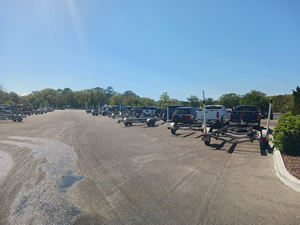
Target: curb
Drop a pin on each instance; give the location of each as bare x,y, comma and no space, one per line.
283,174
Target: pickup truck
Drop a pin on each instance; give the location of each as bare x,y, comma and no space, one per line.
214,114
245,114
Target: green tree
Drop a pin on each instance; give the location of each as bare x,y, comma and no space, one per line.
210,101
147,102
13,98
257,98
174,101
116,99
282,103
296,108
129,98
229,100
194,101
109,91
164,100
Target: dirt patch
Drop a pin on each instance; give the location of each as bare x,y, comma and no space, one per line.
292,164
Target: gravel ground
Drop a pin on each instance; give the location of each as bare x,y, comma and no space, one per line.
292,164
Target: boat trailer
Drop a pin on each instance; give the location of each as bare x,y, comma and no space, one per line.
13,117
176,126
128,121
238,133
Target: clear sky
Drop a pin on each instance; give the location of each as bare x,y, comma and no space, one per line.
151,46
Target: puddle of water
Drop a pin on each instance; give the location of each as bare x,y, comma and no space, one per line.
69,180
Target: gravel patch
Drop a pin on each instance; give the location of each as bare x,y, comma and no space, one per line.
292,164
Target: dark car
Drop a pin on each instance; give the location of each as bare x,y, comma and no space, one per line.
171,109
245,114
184,115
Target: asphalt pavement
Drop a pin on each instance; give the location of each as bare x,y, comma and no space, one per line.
68,167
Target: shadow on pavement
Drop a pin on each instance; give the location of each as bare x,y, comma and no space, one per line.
218,146
231,149
187,135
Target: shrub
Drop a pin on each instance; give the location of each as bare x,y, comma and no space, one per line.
287,134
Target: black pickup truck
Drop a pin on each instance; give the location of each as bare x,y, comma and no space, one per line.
245,114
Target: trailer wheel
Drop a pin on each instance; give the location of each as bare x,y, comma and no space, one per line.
173,131
130,124
20,120
152,123
15,120
207,138
207,141
126,124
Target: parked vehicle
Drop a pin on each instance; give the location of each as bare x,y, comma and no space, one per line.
137,111
88,110
149,111
184,115
217,114
5,109
245,114
11,112
171,109
95,112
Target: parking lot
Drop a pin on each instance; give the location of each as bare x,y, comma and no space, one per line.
69,167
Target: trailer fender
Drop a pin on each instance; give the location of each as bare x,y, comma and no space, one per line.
173,126
150,122
264,135
207,130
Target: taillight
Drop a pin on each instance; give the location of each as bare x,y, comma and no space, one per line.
217,114
241,112
195,114
257,117
189,115
174,114
230,117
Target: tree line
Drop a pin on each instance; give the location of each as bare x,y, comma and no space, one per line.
108,96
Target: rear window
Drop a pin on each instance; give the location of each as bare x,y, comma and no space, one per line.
246,108
213,107
183,111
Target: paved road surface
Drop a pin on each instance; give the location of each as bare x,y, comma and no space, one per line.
68,167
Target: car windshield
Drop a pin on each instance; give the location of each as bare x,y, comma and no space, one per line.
183,111
213,107
246,108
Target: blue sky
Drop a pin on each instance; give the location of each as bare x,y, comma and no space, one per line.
149,47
